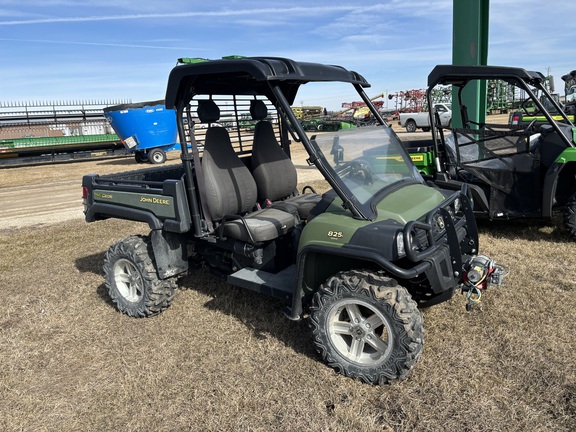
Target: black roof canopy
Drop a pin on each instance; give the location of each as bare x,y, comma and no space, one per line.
250,76
570,76
459,75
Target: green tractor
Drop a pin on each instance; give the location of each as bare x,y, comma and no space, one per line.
524,167
357,260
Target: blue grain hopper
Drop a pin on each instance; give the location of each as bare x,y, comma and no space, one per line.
146,128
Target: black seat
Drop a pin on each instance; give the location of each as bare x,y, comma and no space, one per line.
231,190
274,172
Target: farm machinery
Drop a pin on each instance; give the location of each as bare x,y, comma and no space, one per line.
319,120
147,129
48,131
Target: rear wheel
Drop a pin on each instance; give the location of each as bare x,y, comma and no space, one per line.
132,281
157,156
140,157
569,216
367,326
410,126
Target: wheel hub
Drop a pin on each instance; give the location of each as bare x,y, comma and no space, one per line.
128,280
358,331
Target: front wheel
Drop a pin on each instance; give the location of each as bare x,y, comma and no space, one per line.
410,126
132,281
569,216
367,326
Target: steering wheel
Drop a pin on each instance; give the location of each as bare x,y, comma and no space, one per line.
359,170
531,124
525,109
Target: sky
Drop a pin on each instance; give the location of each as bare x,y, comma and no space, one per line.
54,50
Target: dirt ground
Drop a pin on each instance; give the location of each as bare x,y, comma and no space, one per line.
223,359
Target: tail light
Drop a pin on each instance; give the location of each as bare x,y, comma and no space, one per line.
85,198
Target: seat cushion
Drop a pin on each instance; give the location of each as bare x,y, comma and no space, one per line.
264,225
304,203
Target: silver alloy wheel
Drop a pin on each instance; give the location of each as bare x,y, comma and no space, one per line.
359,332
128,280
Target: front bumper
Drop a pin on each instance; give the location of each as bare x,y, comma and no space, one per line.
447,239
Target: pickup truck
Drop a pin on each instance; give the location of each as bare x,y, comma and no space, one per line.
413,121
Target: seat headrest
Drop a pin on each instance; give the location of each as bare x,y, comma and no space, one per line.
208,111
258,109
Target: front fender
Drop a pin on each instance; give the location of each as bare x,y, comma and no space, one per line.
316,263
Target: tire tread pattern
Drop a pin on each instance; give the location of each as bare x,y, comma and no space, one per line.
158,294
569,216
406,321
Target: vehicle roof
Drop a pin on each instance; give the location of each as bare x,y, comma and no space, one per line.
250,76
461,74
570,76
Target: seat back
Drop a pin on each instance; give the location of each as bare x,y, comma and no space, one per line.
230,188
274,172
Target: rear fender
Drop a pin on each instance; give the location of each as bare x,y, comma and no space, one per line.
99,211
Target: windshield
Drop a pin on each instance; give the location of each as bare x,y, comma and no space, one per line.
571,94
368,160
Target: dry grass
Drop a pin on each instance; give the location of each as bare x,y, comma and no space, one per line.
223,359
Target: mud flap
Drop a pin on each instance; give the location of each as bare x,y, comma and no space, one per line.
170,253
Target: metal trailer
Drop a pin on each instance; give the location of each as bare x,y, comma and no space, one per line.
36,132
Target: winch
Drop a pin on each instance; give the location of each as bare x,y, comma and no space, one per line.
481,272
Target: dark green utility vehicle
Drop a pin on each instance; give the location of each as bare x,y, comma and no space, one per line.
524,167
356,260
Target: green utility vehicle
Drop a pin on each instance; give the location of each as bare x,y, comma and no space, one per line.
356,260
570,92
522,168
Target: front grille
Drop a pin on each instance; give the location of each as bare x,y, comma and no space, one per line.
448,223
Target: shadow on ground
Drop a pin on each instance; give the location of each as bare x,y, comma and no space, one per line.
260,313
526,229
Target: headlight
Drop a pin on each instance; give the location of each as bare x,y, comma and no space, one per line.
441,223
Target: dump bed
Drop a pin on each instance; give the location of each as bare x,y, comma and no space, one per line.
155,195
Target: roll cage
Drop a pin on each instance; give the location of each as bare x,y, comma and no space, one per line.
460,76
515,163
278,79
